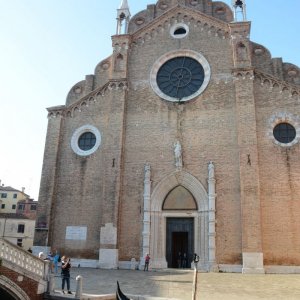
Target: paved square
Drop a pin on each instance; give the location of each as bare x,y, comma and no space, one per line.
177,284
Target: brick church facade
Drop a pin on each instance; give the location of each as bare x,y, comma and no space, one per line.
185,139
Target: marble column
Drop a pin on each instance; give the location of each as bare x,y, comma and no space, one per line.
146,212
211,218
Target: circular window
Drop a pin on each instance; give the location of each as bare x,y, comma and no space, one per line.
180,75
284,133
86,140
179,31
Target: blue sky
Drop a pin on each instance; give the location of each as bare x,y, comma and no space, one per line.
46,46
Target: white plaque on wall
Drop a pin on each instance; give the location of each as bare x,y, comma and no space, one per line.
76,233
108,235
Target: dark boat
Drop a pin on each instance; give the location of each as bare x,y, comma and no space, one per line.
119,294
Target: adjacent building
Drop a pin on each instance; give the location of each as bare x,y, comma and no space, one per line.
17,216
27,208
184,140
9,198
17,229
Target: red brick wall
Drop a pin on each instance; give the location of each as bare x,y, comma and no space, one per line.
29,286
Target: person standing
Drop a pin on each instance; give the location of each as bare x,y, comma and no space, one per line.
50,258
56,260
147,260
179,260
65,273
184,261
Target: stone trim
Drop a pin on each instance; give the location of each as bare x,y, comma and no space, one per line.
253,263
158,218
271,81
176,53
284,117
78,106
146,214
179,178
14,288
185,15
176,26
76,135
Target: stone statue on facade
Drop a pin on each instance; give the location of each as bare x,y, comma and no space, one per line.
178,154
211,170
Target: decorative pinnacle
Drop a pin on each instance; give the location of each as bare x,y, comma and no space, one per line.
124,5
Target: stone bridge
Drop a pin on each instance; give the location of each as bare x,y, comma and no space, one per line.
22,275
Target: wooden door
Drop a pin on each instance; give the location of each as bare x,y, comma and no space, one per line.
180,239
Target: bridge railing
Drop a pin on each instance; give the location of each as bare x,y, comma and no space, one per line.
23,259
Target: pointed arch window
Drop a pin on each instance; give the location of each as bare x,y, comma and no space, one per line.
179,199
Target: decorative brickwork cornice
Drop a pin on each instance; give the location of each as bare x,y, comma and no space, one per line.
68,111
266,79
272,82
179,14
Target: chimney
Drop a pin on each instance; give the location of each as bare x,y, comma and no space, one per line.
23,190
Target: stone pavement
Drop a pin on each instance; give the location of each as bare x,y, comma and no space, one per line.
177,284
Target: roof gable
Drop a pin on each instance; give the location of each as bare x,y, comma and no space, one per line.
182,14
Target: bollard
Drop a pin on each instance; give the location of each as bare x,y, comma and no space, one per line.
51,284
133,264
195,260
78,293
194,292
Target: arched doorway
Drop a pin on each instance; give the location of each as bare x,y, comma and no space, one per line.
178,201
180,242
179,231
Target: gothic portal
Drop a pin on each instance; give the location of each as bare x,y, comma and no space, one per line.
185,140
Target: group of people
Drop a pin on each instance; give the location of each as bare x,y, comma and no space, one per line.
54,260
182,260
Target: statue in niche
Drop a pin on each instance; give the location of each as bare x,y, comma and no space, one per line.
178,154
119,62
211,170
147,172
242,52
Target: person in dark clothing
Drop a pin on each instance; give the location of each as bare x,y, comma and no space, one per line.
65,273
147,260
184,260
179,260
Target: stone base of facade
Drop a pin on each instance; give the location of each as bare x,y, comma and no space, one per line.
213,267
158,264
282,269
108,258
224,268
85,263
253,263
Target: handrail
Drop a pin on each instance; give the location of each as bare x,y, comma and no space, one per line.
23,259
